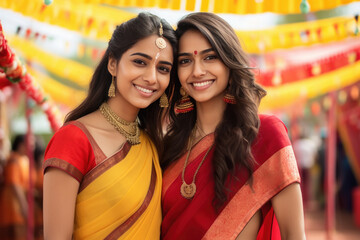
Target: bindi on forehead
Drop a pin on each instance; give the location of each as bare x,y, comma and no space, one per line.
195,52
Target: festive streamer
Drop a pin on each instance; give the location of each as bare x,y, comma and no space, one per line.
298,34
15,72
64,68
282,96
98,22
91,20
58,92
294,65
228,6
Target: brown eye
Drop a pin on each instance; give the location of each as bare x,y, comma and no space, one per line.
184,61
139,61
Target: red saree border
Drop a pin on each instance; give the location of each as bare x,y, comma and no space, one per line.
115,234
269,174
98,153
104,166
173,171
64,166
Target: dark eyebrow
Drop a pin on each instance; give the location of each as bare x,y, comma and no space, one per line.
202,52
142,54
165,62
150,58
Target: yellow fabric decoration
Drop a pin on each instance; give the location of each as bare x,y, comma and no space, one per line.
285,95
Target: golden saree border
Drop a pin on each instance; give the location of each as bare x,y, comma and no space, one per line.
130,221
280,170
173,171
104,166
64,166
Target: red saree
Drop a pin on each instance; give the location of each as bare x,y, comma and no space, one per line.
197,219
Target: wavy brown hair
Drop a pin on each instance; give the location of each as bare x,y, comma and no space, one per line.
124,37
240,123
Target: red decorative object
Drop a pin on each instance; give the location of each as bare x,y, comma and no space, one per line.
12,71
303,63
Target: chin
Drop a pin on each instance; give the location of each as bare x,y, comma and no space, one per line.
143,105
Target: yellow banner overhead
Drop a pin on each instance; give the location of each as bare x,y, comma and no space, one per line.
226,6
298,34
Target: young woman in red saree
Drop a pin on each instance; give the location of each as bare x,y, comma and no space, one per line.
234,176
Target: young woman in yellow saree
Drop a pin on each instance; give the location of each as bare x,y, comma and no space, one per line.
102,176
233,175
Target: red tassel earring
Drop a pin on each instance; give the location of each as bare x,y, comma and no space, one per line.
184,105
228,98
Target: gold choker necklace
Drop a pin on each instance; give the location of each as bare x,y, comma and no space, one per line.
188,190
130,130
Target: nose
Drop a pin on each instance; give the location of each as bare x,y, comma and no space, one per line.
199,69
150,75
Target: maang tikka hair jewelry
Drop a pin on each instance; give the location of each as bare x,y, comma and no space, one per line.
184,105
111,92
160,41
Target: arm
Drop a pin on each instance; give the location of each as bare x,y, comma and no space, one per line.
21,196
60,192
289,213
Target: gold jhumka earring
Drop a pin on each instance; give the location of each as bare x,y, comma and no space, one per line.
164,102
111,92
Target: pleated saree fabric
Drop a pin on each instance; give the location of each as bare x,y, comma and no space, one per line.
197,218
119,196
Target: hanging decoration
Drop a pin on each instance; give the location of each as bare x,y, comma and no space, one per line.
91,20
281,96
98,22
226,6
15,72
298,64
304,6
48,2
356,32
298,34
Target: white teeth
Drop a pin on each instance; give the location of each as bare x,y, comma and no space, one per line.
201,84
144,89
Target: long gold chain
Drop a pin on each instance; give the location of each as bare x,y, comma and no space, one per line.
188,190
130,130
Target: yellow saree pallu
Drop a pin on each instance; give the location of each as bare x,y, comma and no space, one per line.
120,197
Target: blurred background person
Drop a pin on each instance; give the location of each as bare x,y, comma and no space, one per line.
13,203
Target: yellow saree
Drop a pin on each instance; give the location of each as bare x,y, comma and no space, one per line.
120,197
124,188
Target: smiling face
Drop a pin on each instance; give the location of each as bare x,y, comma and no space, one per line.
201,72
142,73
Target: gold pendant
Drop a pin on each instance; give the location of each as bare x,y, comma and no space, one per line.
188,190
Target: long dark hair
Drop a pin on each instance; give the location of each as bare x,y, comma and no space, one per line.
124,37
240,122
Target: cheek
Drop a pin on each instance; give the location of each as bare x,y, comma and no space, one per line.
164,81
183,74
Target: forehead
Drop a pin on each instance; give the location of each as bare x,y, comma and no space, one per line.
147,45
193,40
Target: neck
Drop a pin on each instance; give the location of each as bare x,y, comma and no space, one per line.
209,114
124,111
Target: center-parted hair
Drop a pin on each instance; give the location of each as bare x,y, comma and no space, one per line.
240,123
123,38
